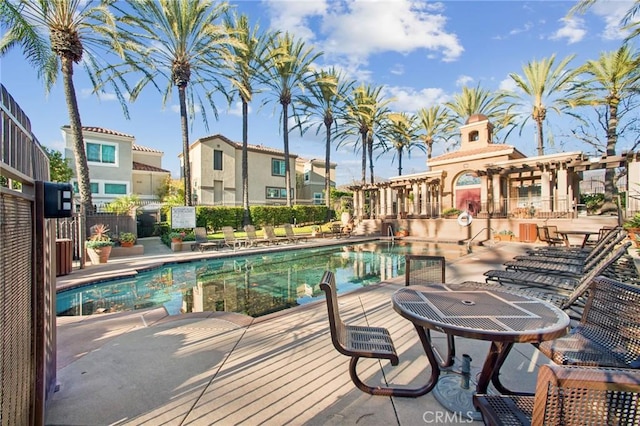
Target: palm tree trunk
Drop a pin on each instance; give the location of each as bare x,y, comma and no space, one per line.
399,162
370,150
82,168
287,171
246,217
327,170
540,138
610,174
364,157
185,146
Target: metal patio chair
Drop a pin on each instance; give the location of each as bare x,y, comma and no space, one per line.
569,395
202,242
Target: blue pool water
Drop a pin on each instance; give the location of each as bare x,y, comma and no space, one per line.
252,284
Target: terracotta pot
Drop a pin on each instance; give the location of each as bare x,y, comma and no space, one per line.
634,234
176,240
126,243
99,255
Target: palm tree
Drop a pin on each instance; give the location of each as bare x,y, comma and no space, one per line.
178,43
402,134
365,111
54,36
628,22
608,80
288,73
243,73
480,101
540,83
435,122
326,100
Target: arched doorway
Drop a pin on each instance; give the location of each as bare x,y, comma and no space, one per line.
467,193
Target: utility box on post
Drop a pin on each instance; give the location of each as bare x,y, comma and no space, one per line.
58,200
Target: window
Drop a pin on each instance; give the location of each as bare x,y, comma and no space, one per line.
277,167
101,153
115,188
474,136
307,177
217,159
317,198
93,185
276,193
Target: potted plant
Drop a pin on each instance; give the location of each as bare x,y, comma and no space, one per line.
504,235
451,213
99,244
176,237
632,225
127,239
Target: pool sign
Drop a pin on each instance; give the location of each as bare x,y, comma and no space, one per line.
183,217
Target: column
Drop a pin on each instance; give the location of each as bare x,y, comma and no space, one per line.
400,202
484,193
416,198
633,177
382,196
424,198
545,190
389,201
561,194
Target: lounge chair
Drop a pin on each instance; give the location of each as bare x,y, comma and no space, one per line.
252,237
230,239
202,242
571,267
291,236
573,252
569,396
566,293
609,331
270,235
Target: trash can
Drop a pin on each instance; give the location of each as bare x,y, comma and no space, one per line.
528,232
64,256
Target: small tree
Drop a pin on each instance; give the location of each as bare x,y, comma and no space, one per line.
59,169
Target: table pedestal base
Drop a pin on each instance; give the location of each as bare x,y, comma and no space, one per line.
450,394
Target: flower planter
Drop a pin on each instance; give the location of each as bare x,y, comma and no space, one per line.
99,255
500,237
634,234
126,243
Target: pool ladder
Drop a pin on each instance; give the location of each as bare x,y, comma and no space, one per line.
480,232
390,233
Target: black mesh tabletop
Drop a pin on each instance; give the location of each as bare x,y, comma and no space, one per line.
481,314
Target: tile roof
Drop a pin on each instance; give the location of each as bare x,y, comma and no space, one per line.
147,168
141,148
101,130
490,149
250,147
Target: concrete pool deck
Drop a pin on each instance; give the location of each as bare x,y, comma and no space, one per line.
146,367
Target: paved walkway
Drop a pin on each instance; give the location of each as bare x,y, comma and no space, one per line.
147,367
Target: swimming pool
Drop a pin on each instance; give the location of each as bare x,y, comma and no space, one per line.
254,285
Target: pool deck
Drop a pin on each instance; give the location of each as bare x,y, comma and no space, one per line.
146,367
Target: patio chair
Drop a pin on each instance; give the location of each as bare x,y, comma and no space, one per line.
365,342
574,252
605,243
270,235
569,395
252,237
608,334
566,294
202,242
562,278
429,271
230,239
291,236
543,236
570,267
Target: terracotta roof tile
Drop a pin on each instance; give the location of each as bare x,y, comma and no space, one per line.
141,148
491,149
102,130
147,168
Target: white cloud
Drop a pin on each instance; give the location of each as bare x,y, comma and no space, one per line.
357,29
103,96
508,85
236,109
525,28
463,80
572,29
397,69
407,99
612,13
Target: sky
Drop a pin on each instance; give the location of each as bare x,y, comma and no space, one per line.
422,52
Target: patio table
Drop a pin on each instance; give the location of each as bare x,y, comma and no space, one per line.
498,316
585,234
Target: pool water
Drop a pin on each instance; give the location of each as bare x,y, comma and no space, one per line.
254,285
